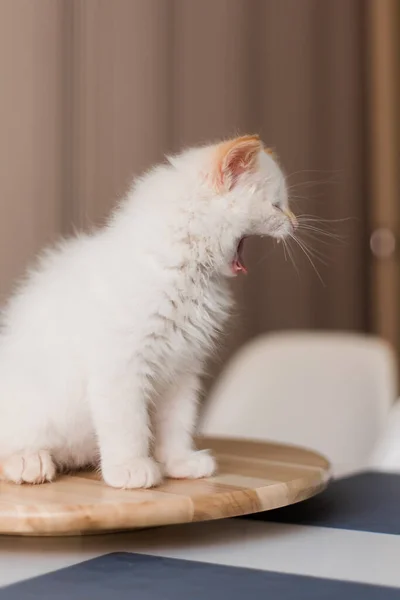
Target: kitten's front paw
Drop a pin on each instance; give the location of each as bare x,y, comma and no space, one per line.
192,466
138,473
33,467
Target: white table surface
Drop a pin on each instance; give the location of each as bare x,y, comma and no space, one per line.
316,551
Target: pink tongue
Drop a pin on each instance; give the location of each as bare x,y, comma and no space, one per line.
238,265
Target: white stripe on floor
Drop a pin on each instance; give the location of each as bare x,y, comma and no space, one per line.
315,551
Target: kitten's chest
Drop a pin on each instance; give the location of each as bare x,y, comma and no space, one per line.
188,320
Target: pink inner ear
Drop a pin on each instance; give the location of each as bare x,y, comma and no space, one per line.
237,157
238,162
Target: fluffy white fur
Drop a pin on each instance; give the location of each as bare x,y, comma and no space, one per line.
105,341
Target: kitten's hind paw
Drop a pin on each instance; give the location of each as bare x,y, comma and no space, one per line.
192,466
32,467
138,473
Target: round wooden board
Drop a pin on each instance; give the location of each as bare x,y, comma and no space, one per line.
252,477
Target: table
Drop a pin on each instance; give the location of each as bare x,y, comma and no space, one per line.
350,533
252,477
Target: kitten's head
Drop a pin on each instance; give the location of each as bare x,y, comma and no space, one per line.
241,192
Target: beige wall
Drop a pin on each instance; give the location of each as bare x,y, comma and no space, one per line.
31,126
384,156
94,91
120,98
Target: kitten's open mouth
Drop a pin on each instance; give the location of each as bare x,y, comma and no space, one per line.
238,265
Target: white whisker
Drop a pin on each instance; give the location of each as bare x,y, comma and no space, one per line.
309,257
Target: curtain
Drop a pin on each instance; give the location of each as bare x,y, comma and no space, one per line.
158,75
122,82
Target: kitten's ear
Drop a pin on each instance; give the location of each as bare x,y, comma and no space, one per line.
234,158
271,152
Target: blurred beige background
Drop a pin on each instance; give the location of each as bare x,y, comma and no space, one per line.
94,91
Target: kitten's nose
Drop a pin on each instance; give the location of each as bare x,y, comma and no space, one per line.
292,218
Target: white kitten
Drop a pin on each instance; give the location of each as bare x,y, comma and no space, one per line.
119,321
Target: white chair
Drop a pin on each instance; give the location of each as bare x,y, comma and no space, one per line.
331,392
386,455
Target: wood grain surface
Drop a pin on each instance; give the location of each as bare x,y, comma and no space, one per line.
252,477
